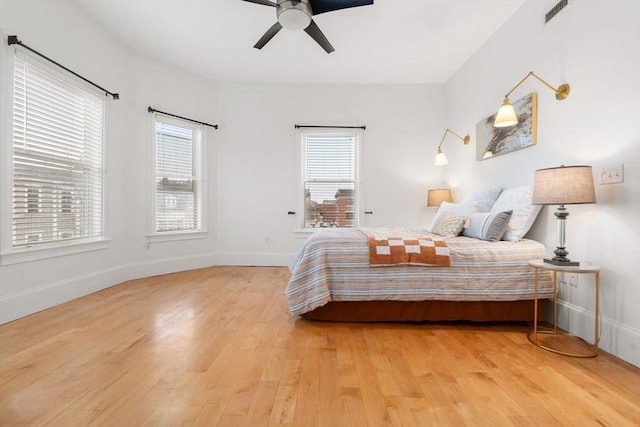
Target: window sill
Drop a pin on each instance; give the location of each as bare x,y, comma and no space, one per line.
28,255
175,236
304,233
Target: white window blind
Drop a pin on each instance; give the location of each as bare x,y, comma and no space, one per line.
177,183
57,159
330,179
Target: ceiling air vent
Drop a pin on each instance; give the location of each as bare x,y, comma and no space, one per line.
555,10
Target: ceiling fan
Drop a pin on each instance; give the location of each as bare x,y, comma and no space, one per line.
297,15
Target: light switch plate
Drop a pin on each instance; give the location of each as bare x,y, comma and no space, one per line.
612,175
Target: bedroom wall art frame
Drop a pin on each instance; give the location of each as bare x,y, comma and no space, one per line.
493,141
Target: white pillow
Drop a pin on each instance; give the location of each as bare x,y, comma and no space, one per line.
447,207
524,213
482,200
487,225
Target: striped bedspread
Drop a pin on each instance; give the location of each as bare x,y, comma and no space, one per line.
334,265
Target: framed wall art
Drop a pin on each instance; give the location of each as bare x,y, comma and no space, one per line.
492,141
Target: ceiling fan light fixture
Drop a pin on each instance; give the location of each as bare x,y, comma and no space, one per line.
294,15
298,15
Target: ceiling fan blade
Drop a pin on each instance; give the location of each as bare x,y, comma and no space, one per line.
322,6
262,2
317,35
268,35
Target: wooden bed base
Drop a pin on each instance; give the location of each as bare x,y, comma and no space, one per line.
419,311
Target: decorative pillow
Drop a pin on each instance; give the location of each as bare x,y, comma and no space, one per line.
487,225
524,213
449,224
482,200
447,207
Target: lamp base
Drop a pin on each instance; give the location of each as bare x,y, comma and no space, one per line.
562,262
561,252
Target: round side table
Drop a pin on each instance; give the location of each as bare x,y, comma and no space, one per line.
591,350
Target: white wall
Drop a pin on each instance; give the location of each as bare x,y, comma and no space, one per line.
253,171
27,287
258,179
593,46
61,31
252,164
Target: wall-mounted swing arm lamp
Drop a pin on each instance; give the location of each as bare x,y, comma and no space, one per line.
441,159
506,114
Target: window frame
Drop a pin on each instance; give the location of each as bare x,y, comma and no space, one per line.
8,253
200,166
357,133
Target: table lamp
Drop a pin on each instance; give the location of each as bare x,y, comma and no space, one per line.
564,185
437,196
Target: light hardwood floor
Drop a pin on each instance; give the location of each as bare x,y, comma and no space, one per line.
217,347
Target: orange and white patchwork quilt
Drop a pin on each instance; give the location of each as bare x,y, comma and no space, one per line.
405,248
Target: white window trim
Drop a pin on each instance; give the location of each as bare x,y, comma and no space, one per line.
301,231
153,236
173,236
6,176
35,254
8,254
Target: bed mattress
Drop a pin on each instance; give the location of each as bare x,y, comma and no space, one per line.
334,265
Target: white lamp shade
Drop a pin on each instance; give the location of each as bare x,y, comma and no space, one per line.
564,185
506,115
441,159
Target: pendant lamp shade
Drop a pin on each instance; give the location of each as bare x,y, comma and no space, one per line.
441,159
506,115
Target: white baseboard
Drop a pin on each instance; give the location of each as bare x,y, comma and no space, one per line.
616,338
262,259
24,303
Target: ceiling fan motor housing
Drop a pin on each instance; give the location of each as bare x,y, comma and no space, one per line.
294,14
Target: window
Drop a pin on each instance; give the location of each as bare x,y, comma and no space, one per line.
33,200
330,178
178,182
57,168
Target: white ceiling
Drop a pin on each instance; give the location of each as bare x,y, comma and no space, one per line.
391,41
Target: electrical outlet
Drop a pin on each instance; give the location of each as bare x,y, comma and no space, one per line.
567,279
612,175
562,280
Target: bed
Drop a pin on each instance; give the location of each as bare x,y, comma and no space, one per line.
332,279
